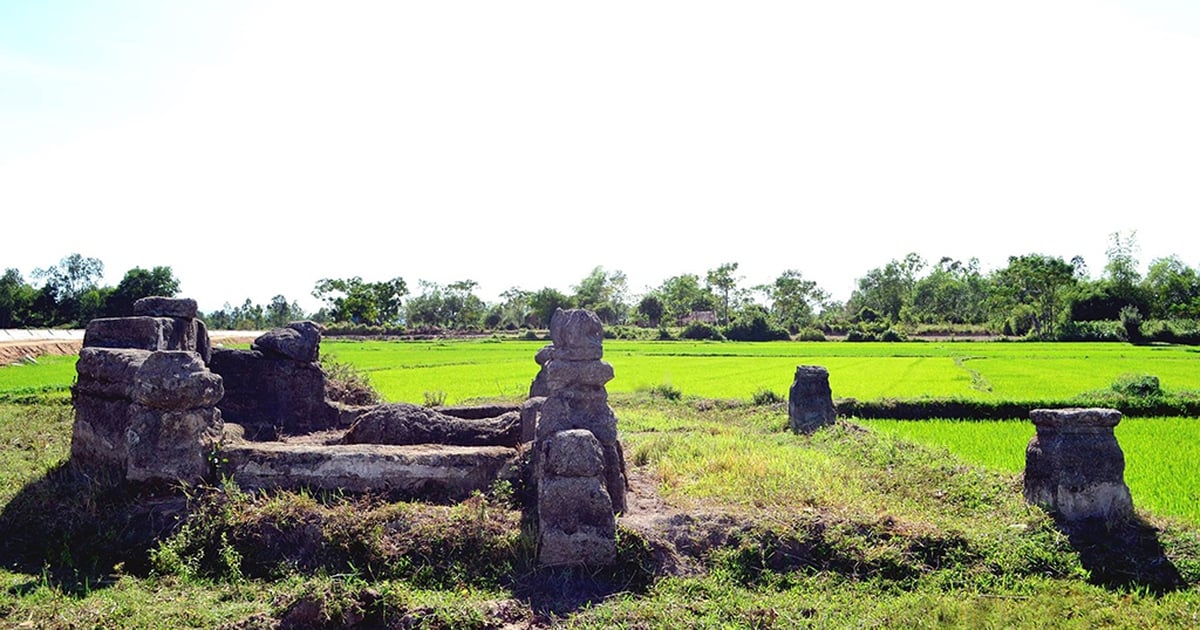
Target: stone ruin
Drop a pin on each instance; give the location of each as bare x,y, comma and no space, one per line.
810,400
155,403
578,463
1075,468
145,401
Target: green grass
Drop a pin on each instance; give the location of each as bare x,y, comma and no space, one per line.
50,376
1160,454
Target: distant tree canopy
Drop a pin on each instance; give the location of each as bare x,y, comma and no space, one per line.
1033,294
70,293
353,300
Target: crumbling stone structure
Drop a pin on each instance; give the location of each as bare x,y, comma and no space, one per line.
1075,468
154,402
810,400
579,466
277,387
145,403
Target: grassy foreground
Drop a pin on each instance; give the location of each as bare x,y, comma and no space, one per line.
846,528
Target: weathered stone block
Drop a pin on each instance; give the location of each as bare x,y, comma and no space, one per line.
171,445
578,409
404,423
157,306
98,435
142,333
810,400
560,374
531,409
575,453
108,372
176,379
425,470
578,335
576,525
298,341
1075,467
268,396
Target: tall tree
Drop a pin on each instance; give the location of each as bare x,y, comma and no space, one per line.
650,307
605,293
683,294
137,284
543,303
64,287
16,300
953,292
280,312
359,302
1173,288
1038,281
794,300
723,280
886,291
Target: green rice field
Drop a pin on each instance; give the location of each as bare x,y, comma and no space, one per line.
404,371
1160,453
466,370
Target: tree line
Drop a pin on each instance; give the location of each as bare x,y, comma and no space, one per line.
1033,295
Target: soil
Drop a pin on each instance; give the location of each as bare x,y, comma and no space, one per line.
17,351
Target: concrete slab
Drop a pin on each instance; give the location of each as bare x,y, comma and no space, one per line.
427,470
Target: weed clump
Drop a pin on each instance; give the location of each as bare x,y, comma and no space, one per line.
346,384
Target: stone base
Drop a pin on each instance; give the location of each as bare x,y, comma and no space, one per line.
427,470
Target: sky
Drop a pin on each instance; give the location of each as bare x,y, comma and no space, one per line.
256,147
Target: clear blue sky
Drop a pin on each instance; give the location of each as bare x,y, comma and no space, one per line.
256,147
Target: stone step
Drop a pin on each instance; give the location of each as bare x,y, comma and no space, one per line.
426,470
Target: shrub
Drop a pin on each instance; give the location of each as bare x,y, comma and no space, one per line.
858,335
529,335
1137,385
891,334
701,330
1131,320
667,391
755,328
764,397
435,399
664,334
810,334
1091,331
346,384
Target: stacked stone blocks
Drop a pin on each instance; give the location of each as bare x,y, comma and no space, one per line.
145,401
579,466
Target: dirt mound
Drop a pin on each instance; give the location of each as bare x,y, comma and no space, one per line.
16,351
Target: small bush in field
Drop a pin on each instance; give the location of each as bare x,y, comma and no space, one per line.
1137,385
764,397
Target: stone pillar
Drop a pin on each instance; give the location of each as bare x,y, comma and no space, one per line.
575,513
174,423
810,401
572,378
1074,466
